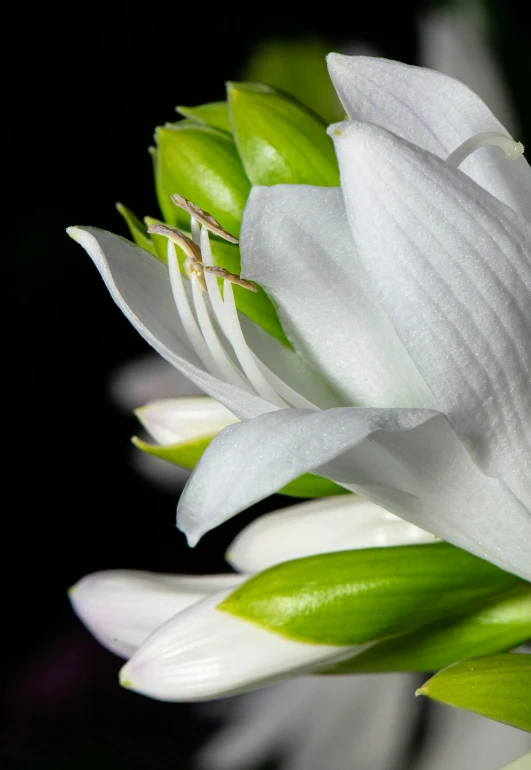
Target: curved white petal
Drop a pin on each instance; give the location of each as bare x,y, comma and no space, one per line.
433,111
318,723
456,42
320,526
452,268
140,286
204,654
123,607
148,378
296,243
408,461
172,420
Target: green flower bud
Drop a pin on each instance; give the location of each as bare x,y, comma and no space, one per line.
214,114
279,140
354,597
201,164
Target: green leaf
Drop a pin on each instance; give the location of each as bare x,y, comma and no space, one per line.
214,114
496,686
353,597
188,453
201,164
137,229
298,68
502,624
279,140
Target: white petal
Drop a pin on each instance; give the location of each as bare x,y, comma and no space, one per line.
433,111
296,243
408,461
123,607
148,378
140,286
318,723
175,420
455,42
320,526
204,654
452,267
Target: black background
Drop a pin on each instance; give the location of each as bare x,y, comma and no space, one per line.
84,86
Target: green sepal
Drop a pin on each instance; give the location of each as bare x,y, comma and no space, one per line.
279,140
138,229
298,67
201,164
495,686
188,453
214,114
160,244
502,624
353,597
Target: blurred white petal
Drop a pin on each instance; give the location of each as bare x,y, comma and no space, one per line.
148,378
455,41
320,723
461,740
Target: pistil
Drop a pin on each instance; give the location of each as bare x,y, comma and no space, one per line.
512,149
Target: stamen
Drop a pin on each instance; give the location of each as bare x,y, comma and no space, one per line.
185,313
216,300
235,336
190,248
222,273
206,219
194,226
215,347
512,149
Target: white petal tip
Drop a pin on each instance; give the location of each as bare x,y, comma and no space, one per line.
73,232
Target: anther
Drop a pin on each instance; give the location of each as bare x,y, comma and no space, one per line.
193,264
512,149
206,219
220,272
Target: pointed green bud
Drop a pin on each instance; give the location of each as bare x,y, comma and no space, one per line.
496,686
298,67
186,454
354,597
138,229
213,114
201,164
279,140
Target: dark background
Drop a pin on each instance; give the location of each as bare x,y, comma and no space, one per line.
84,86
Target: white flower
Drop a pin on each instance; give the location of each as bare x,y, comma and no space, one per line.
407,292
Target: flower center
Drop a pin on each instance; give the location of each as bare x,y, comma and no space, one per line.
213,327
512,149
